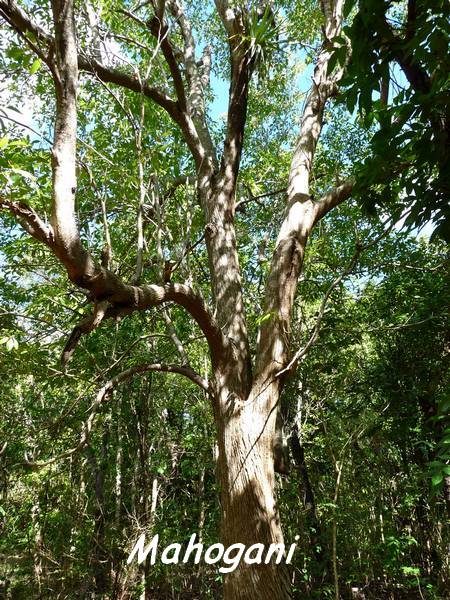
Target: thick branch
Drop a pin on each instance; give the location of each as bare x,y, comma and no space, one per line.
19,19
123,298
29,219
85,326
227,15
197,77
129,81
333,198
160,31
301,212
241,69
65,76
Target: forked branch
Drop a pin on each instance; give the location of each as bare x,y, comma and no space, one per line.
111,295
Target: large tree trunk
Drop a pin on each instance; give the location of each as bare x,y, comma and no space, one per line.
246,430
246,404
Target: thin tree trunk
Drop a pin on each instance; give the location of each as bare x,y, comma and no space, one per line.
38,544
201,502
99,557
309,504
339,467
119,460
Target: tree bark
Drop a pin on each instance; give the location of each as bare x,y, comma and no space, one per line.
248,500
309,504
99,554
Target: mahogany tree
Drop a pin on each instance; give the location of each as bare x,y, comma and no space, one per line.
247,377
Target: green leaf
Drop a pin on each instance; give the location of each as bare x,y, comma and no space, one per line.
437,479
35,66
25,174
411,571
10,343
4,141
264,318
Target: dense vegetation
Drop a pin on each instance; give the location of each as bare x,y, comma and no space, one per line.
112,418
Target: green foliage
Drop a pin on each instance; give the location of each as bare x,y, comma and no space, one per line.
403,56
